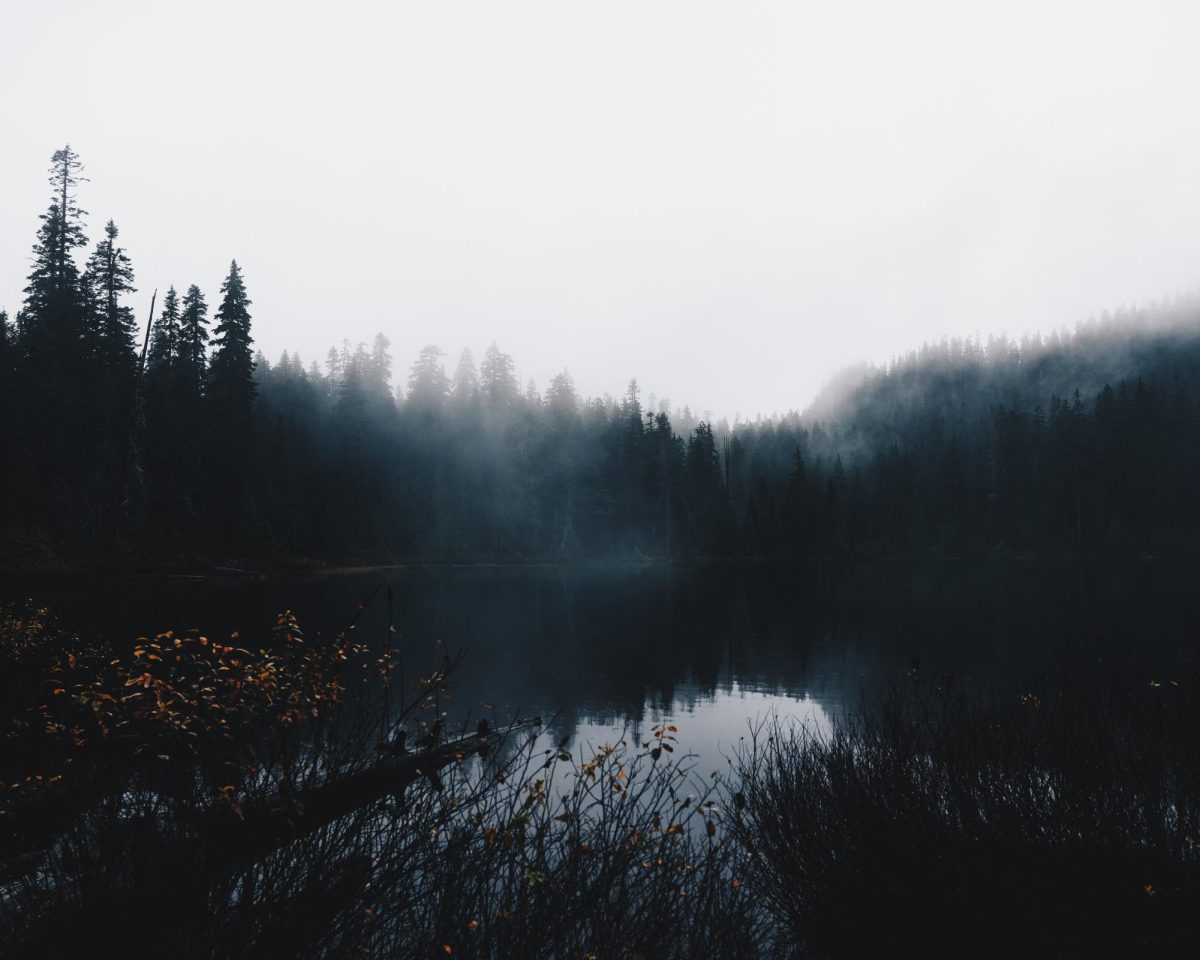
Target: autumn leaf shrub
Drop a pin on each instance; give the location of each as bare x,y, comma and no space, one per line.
522,849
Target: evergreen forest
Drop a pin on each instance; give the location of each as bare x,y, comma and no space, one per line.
176,442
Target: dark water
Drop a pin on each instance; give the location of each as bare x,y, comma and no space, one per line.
710,649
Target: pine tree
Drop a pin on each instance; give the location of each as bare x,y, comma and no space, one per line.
53,324
465,386
428,385
379,368
561,399
165,342
231,386
231,390
335,370
193,342
631,406
109,277
703,466
6,345
497,378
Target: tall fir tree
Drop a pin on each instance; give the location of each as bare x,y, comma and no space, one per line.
379,369
231,387
6,344
561,398
53,421
109,277
229,400
335,370
428,385
497,377
53,324
465,386
163,360
110,324
193,343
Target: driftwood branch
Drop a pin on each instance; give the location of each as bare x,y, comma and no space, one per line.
260,828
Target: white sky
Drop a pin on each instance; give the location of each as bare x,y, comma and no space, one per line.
728,200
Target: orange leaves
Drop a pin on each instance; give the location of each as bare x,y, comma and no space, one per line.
662,736
226,794
176,695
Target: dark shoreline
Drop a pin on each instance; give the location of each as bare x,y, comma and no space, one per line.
246,569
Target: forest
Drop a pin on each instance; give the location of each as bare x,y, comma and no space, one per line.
181,445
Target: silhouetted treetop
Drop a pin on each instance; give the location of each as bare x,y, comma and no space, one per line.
231,386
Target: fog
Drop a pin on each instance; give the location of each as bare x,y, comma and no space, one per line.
727,201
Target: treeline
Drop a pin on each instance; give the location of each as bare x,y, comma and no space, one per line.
188,447
1086,441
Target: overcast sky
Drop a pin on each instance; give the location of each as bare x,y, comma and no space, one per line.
727,200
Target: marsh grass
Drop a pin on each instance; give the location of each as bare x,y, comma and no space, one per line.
1057,823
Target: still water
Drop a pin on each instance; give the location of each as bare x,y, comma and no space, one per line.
605,651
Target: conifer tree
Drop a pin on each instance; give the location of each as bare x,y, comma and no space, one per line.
165,341
336,370
53,321
703,467
631,406
6,337
497,378
561,398
427,382
379,368
231,390
231,385
193,342
109,277
465,386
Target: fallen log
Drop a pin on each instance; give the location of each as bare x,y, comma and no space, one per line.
231,833
249,832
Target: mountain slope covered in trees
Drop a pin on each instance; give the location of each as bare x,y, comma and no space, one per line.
190,448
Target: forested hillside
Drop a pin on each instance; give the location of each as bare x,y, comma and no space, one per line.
189,448
1077,441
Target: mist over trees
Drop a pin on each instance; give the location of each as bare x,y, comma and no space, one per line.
202,450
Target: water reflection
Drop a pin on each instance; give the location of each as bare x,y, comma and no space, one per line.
711,728
601,650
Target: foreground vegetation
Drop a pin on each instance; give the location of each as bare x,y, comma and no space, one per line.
171,797
305,798
1059,823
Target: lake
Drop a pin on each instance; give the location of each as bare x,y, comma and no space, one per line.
601,650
